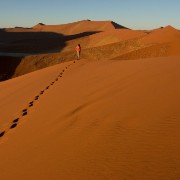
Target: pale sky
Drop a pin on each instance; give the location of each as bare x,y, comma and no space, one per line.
134,14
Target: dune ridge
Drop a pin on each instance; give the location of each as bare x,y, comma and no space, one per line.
47,45
80,26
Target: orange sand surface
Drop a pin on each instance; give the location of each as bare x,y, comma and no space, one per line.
105,119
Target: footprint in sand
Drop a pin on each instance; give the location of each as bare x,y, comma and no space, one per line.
41,92
37,97
2,133
13,125
15,120
24,113
31,104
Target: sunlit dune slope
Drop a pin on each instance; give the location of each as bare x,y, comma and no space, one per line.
100,120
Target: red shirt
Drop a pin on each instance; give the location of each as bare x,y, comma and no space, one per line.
78,48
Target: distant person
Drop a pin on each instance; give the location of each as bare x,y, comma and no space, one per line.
78,51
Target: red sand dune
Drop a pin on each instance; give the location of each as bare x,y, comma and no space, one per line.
79,27
113,36
106,43
100,120
63,38
163,35
96,118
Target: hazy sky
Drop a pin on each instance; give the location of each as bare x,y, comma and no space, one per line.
135,14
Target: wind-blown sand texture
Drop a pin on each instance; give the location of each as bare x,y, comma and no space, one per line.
105,119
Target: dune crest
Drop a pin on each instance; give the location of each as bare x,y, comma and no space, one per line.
80,26
162,35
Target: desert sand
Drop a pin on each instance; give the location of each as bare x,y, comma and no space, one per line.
112,115
100,120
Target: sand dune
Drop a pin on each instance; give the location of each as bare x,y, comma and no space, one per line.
112,115
100,120
160,43
46,45
113,36
163,35
79,27
121,43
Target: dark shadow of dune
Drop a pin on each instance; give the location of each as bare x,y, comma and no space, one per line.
83,34
35,42
8,66
118,26
30,42
14,46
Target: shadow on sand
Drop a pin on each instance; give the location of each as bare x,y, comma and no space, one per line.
14,46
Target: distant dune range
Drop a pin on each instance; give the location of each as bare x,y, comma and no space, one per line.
112,115
52,44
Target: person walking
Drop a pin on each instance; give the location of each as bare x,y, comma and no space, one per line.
78,51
